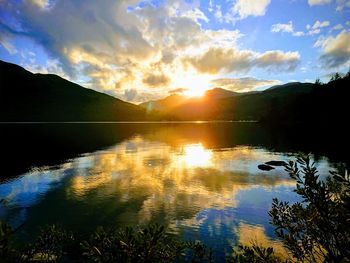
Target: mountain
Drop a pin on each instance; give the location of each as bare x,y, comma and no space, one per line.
219,93
164,105
289,103
174,101
25,96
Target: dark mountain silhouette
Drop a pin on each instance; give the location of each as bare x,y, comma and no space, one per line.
25,96
219,93
170,103
223,104
164,105
289,103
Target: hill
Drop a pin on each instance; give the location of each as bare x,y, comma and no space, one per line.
25,96
289,103
172,103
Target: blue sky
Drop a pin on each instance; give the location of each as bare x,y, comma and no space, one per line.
142,50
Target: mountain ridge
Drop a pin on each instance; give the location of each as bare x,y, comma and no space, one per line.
28,97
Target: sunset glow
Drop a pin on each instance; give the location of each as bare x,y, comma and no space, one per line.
146,50
197,156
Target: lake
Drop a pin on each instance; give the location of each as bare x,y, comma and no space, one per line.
201,180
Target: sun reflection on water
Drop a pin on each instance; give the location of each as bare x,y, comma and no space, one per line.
196,156
187,185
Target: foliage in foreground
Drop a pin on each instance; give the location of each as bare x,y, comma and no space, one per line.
318,227
314,230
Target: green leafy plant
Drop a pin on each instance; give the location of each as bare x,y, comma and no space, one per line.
254,254
52,245
317,228
148,244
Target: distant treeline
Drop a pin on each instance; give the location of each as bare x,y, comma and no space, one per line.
327,102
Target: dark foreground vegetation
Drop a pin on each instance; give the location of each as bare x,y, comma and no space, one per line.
314,230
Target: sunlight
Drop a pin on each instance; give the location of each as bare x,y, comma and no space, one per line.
196,155
194,84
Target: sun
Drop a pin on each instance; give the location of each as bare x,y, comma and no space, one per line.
194,92
194,84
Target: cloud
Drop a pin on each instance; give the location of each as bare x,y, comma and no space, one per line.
227,60
288,28
341,4
120,46
283,27
318,2
154,80
337,27
130,94
4,41
178,90
40,3
247,8
335,50
316,28
243,84
278,61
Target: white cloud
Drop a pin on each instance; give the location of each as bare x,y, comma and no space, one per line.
288,28
317,26
341,4
4,41
335,50
283,27
318,2
40,3
247,8
337,27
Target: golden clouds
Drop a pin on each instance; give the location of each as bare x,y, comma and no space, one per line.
226,60
153,80
243,84
121,46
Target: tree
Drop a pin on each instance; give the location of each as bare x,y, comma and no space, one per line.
347,75
317,228
335,77
318,82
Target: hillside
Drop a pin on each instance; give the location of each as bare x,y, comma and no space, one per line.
289,103
25,96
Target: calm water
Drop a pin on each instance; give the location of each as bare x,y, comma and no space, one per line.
199,179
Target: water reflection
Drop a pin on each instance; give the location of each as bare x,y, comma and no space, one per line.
196,156
200,188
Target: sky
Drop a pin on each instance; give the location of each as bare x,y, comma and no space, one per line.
145,50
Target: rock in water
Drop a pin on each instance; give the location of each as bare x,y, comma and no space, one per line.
276,163
265,167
